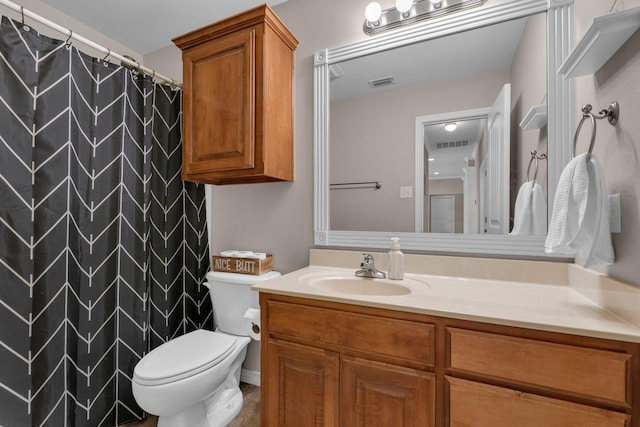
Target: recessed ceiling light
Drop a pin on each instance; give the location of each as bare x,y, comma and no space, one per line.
431,159
450,127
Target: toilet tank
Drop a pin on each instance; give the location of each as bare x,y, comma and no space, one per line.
231,296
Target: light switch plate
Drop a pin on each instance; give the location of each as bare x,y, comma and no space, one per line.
406,192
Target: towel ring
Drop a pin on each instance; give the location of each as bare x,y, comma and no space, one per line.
534,156
611,114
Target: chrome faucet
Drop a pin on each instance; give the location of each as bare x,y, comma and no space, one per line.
367,269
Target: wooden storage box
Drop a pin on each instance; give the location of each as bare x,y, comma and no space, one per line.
253,266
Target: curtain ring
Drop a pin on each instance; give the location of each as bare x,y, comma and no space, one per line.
24,27
68,42
104,60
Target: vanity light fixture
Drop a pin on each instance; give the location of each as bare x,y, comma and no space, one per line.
409,12
372,13
404,7
450,127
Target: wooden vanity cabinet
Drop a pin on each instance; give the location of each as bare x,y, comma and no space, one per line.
238,100
559,381
320,367
333,364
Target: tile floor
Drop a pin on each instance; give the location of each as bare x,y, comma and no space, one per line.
249,415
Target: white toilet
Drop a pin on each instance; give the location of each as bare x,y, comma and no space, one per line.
193,380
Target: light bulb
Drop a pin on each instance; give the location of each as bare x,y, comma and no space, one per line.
404,6
450,127
373,11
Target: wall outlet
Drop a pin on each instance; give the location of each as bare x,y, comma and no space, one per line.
406,192
615,220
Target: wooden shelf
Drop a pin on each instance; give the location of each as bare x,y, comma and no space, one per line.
536,118
603,38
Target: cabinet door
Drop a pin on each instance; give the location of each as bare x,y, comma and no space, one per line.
219,104
379,394
302,386
474,404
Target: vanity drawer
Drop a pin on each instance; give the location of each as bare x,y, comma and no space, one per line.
400,340
481,405
600,374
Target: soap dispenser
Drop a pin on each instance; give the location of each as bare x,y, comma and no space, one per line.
396,260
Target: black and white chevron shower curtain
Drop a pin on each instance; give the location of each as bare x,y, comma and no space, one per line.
102,247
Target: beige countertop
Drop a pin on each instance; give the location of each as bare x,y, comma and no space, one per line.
548,307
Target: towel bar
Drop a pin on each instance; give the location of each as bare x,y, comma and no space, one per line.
611,114
352,185
534,156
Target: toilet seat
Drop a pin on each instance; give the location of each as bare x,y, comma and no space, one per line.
183,357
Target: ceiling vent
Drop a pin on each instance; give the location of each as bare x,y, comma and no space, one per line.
452,144
384,81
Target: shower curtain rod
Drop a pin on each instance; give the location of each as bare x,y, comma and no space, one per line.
69,33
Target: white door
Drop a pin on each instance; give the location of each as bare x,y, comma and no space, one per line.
470,200
442,214
496,209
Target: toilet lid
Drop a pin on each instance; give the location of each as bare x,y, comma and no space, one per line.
184,356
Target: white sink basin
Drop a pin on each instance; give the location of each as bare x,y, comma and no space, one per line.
358,286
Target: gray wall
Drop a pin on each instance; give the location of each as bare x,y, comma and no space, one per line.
528,88
617,148
382,146
279,217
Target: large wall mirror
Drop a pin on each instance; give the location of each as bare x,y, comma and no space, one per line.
425,132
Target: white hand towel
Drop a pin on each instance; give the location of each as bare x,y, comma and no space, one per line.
580,220
538,211
593,241
561,228
530,213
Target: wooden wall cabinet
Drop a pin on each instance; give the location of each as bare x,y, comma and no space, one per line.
238,100
333,364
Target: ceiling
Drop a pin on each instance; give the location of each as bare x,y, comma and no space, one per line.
448,161
148,25
456,56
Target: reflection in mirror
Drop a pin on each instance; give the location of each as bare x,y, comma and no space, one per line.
386,128
388,112
453,150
